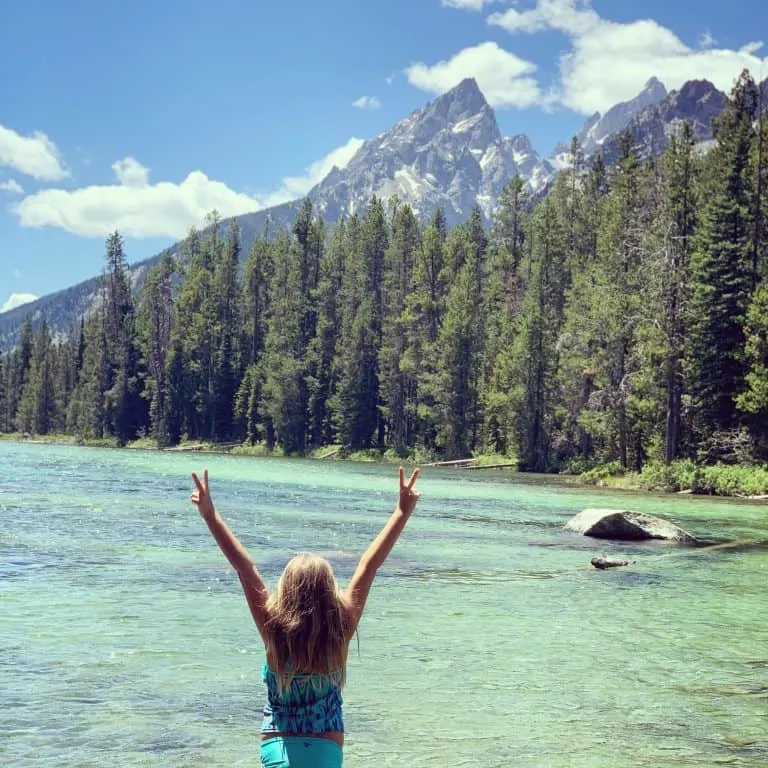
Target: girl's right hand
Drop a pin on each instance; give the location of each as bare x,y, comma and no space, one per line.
408,494
201,497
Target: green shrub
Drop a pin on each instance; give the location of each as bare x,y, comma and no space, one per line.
602,472
677,476
260,449
731,480
489,459
717,479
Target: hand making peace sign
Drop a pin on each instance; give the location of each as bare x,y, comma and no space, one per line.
408,494
202,496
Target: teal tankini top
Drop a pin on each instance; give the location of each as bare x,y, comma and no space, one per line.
311,704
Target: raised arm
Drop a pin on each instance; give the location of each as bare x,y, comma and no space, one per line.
256,592
378,551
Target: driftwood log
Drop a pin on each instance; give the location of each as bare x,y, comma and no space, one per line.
606,562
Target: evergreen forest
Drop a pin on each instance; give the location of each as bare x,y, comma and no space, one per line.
621,319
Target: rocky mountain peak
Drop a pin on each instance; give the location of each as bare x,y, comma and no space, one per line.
462,101
654,90
520,143
696,90
450,154
697,103
618,117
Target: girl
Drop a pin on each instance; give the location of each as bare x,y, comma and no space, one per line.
306,626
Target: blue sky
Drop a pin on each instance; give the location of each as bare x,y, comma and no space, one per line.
141,116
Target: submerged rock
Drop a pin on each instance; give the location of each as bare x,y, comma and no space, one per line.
625,525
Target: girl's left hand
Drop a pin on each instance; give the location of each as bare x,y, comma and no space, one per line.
201,497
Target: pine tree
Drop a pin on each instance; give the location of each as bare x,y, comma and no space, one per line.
321,376
124,409
760,172
66,372
598,367
4,414
458,359
678,223
193,339
502,301
18,371
722,270
284,394
26,345
422,318
354,403
175,404
754,399
86,411
37,409
256,278
227,333
375,239
156,320
247,405
397,380
535,347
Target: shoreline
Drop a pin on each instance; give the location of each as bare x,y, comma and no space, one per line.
323,453
599,479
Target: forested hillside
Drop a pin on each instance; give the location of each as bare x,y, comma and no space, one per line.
622,318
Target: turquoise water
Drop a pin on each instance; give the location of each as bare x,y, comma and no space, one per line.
488,639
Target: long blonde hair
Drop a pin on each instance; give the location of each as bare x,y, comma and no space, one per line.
308,625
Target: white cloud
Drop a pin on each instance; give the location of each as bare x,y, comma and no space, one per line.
17,300
163,209
131,173
610,62
367,102
706,40
298,186
563,15
467,5
12,186
504,78
34,155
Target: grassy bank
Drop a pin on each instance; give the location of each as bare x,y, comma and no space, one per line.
326,452
684,476
371,455
60,439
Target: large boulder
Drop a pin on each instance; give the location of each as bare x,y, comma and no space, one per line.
624,525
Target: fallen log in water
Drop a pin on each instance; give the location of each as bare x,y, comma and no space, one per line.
745,543
489,466
605,562
454,463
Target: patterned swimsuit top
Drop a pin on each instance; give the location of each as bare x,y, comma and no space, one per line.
310,704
